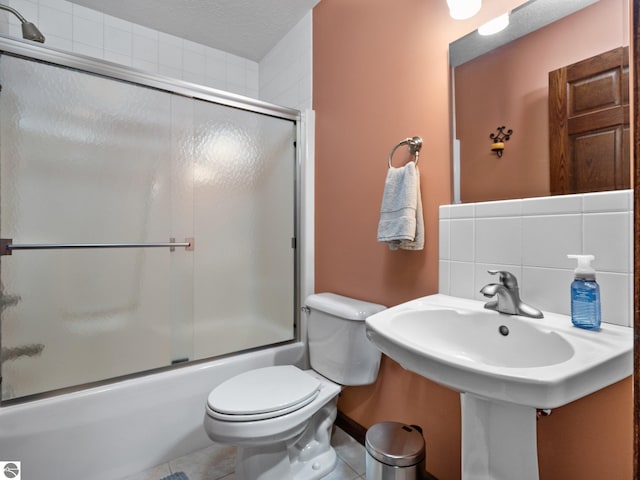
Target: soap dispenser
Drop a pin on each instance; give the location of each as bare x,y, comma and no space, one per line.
585,295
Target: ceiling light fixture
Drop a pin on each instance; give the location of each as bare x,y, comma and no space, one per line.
494,26
463,9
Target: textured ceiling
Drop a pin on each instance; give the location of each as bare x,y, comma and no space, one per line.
249,28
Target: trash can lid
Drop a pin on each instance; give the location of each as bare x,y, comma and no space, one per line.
395,444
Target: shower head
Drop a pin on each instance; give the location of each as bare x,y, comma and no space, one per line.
29,30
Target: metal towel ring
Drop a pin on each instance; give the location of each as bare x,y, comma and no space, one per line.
414,143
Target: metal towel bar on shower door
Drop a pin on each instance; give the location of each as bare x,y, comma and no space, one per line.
7,246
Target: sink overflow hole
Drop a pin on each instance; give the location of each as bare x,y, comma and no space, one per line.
504,330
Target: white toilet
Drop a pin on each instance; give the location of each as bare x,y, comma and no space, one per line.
281,417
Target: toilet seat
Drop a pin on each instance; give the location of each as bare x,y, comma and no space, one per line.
262,394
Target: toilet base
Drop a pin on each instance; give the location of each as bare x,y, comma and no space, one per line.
307,456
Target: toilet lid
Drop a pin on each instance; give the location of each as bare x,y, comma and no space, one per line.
263,393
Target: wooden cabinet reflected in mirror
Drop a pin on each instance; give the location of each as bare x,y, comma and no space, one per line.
589,125
635,95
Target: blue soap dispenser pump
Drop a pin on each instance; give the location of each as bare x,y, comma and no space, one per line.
585,295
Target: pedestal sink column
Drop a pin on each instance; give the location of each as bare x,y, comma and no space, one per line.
498,440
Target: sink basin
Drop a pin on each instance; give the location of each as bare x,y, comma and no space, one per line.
541,363
484,337
505,368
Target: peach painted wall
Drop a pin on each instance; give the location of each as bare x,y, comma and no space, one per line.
380,74
509,86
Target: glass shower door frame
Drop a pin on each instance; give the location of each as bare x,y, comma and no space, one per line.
80,63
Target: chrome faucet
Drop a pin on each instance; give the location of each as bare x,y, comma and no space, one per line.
507,296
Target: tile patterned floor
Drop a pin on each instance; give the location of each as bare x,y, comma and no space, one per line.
218,461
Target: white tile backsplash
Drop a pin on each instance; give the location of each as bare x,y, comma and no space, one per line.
443,276
614,297
547,239
607,236
505,208
531,238
552,205
461,240
499,240
607,202
444,235
552,284
462,279
463,210
444,212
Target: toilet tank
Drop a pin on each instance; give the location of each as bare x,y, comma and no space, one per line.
338,346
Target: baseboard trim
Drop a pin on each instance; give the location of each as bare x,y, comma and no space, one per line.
359,433
350,426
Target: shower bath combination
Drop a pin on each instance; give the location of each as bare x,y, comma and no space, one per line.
117,168
29,30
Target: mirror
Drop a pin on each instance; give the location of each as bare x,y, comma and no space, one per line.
503,80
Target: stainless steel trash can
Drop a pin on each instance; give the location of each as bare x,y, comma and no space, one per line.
395,451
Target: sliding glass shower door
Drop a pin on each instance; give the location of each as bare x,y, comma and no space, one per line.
243,210
116,170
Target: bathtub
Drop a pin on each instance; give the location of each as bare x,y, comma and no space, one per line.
111,431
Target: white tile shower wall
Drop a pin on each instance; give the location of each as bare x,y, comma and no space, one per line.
71,27
531,238
285,72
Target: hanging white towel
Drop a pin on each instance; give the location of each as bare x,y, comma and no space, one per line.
401,222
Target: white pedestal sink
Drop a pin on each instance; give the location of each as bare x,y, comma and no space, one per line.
505,367
498,440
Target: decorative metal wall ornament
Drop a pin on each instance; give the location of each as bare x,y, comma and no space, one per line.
499,139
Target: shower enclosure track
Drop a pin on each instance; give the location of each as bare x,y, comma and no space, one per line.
33,51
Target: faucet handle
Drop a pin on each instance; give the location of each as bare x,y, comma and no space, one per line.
507,279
